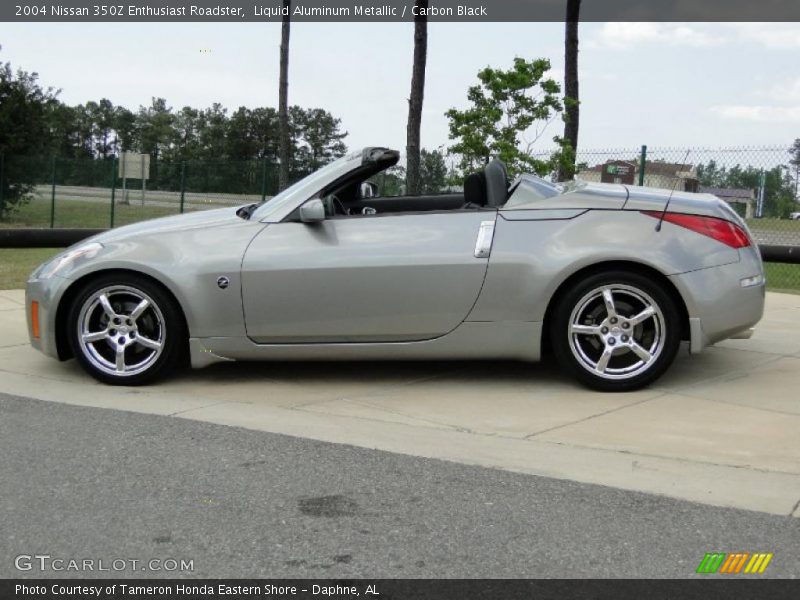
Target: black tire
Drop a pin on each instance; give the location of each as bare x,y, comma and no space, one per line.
610,351
160,322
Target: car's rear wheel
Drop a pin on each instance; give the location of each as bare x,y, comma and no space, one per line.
616,331
125,330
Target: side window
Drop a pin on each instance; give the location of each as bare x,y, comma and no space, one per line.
437,176
390,183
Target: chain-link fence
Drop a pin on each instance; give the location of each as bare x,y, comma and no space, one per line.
761,183
69,192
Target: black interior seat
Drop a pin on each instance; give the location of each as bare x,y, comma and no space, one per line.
496,184
475,190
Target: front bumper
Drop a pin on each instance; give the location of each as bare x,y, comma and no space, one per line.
47,293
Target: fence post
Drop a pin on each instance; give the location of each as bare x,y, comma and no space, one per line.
113,187
183,183
264,179
642,163
53,197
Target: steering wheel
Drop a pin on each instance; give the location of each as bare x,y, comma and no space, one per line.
342,207
327,202
334,206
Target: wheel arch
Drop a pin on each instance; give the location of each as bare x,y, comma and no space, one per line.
68,297
618,265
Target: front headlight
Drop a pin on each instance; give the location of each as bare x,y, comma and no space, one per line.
62,261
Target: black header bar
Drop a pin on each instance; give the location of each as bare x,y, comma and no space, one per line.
370,11
705,588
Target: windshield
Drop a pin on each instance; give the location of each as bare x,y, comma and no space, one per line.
295,191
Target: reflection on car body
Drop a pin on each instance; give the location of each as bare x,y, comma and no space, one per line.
329,270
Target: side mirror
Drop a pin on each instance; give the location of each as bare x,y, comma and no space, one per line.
368,190
312,211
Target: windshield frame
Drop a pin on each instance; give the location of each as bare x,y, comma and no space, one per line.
280,206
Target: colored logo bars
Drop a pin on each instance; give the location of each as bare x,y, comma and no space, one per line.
734,563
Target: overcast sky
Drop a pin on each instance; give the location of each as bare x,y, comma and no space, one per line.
659,84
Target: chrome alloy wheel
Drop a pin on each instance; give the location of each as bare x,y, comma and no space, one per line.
121,330
616,332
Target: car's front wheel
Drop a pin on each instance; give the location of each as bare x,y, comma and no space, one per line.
125,330
616,331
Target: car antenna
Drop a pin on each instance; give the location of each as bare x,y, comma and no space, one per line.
674,185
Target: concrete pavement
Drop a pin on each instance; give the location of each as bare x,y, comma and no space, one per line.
719,428
251,504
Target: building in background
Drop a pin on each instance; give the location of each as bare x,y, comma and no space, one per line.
667,176
657,174
742,200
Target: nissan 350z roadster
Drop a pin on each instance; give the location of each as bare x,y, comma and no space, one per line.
609,279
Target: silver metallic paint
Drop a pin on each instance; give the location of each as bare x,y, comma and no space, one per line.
363,278
365,286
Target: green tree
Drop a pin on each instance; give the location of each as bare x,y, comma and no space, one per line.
319,137
213,132
155,129
187,133
391,182
508,112
84,128
252,134
24,131
779,197
64,124
101,118
433,172
265,130
125,126
34,123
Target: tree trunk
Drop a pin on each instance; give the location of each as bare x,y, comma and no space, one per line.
284,150
415,101
571,96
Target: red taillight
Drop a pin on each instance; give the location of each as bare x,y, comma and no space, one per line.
721,230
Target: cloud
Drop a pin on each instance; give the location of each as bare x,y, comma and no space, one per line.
627,35
762,114
769,35
623,36
785,91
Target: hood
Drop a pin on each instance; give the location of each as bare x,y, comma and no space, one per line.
187,221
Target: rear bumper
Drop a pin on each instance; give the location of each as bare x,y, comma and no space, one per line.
719,305
744,335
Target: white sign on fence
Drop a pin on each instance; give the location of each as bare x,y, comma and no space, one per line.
133,165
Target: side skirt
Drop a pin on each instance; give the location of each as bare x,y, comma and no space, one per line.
515,340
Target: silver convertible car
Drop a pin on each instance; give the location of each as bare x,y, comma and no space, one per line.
608,279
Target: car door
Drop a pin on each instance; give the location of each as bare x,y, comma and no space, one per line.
396,277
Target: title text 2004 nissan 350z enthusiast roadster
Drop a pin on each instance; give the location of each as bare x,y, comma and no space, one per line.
607,278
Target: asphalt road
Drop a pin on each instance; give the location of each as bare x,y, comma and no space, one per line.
87,483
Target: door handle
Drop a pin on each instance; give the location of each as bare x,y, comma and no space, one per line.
483,246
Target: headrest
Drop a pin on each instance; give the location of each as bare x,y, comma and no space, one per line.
475,189
496,184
